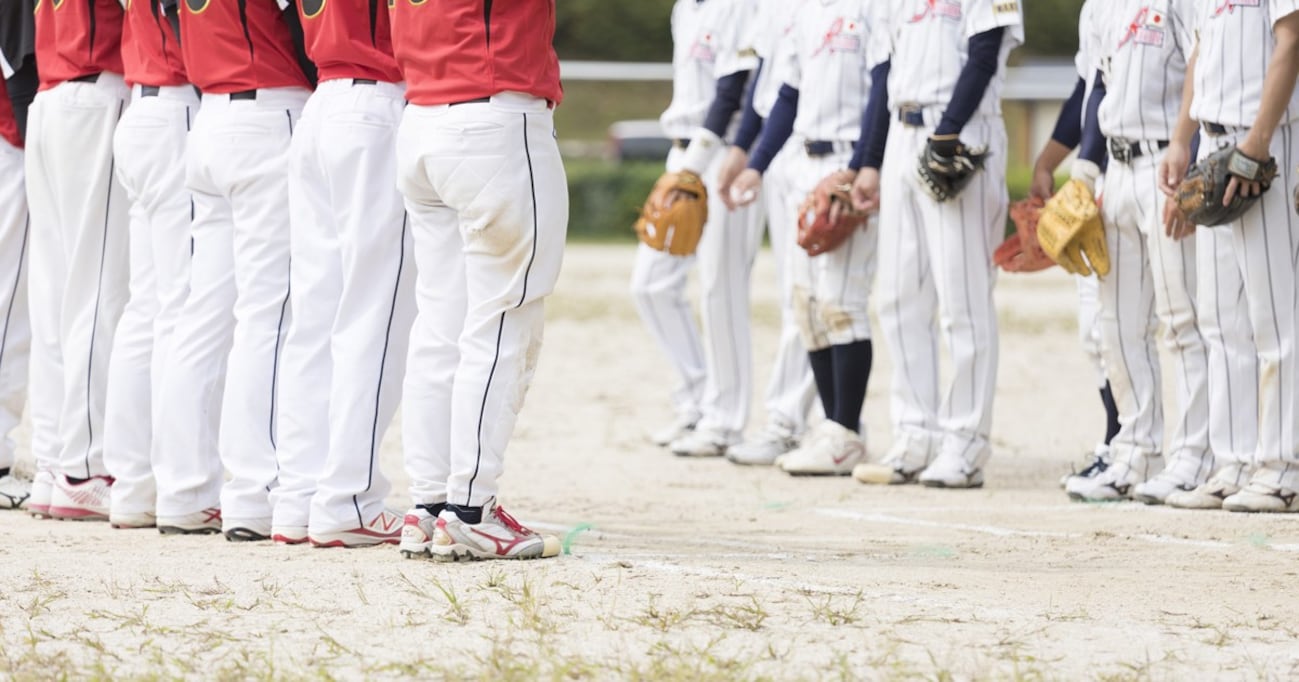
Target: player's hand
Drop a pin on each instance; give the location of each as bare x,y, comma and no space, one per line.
1172,167
866,190
1176,226
1254,148
744,190
1043,185
732,165
835,209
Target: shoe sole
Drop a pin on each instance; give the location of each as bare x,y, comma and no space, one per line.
179,530
944,486
805,474
467,554
416,553
72,514
244,535
883,477
323,544
699,455
281,539
1091,500
132,526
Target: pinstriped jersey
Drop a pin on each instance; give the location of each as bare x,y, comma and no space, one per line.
771,30
1236,42
707,44
928,43
1142,49
828,67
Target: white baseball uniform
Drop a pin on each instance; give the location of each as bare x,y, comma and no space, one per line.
1089,296
15,330
1142,50
1235,43
716,383
935,262
828,66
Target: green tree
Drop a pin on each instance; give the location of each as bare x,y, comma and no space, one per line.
617,30
1050,27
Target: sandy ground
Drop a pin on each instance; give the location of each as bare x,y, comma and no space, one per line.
699,569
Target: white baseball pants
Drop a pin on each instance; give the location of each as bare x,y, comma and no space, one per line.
231,327
15,328
791,392
485,190
1089,327
831,292
716,380
352,295
1152,280
149,146
78,277
935,266
1228,338
1266,242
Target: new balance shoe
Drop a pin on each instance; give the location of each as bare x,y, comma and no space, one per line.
84,499
205,522
682,426
901,465
383,529
417,530
132,521
834,451
700,443
1095,462
497,536
14,491
288,535
763,450
1263,497
951,471
246,530
38,505
1116,483
1209,495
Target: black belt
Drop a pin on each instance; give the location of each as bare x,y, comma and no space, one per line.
680,142
476,100
824,147
243,95
88,78
912,116
364,81
1124,151
149,90
1215,129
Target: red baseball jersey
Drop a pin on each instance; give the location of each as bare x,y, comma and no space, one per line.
234,46
150,48
457,50
349,39
8,124
76,38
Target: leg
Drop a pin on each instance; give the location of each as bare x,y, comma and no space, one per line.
15,328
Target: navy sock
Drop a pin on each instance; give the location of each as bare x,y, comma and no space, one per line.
822,362
1111,413
852,372
4,472
466,513
433,509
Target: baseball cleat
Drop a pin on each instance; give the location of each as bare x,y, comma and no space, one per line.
288,535
699,443
205,522
1209,495
81,500
1116,483
901,465
833,451
417,533
763,450
384,529
14,491
1183,474
1097,461
951,472
132,521
681,427
498,536
246,530
1264,498
38,505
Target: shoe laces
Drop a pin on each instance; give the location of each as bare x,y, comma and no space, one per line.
1094,467
510,522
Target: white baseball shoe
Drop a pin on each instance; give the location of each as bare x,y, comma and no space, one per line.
498,536
38,505
833,450
1183,474
1095,462
1116,482
773,442
383,529
1209,495
951,471
205,522
417,533
246,530
681,427
132,521
1261,495
83,500
901,465
14,491
700,443
285,534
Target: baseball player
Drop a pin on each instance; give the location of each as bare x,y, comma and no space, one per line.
149,146
17,87
78,260
825,81
485,190
1238,105
711,67
351,287
940,72
1142,50
790,390
242,58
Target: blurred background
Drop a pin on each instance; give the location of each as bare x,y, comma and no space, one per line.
616,66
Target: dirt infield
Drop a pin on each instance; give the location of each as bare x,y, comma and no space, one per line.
699,569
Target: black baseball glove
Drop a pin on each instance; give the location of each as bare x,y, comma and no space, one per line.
1199,197
947,166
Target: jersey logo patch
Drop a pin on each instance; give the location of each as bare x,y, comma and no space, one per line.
1146,28
702,50
196,6
842,37
311,8
947,9
1229,6
1005,7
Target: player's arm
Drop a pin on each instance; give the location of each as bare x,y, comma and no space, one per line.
1176,159
983,52
1278,86
1064,137
868,155
775,132
737,156
1092,154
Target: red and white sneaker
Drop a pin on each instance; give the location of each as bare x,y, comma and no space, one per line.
38,505
288,535
205,522
86,500
384,529
498,536
417,533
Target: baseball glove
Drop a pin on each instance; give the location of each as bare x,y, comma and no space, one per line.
947,166
1199,197
817,233
1021,251
675,229
1071,232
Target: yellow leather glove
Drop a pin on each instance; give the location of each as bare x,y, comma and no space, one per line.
1071,232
